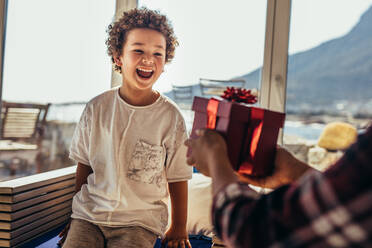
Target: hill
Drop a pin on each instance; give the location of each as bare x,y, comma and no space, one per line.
339,70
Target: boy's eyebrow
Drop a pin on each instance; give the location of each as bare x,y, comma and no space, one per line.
141,44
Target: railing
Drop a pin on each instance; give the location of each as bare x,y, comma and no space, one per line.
214,87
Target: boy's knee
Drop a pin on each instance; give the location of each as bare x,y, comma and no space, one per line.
132,237
84,234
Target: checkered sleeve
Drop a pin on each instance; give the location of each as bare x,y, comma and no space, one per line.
331,209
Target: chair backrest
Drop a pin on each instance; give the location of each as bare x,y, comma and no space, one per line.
23,121
182,92
215,87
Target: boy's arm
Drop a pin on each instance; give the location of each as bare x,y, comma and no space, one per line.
178,195
177,233
82,173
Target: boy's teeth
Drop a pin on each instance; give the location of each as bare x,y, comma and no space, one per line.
144,73
144,70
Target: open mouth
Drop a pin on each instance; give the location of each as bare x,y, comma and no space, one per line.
144,73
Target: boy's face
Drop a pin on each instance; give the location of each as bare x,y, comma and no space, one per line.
143,58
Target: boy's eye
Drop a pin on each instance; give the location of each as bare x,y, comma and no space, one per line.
138,51
158,54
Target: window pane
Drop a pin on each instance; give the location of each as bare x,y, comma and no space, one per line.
219,40
329,75
55,53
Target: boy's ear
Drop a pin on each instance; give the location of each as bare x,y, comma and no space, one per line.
118,61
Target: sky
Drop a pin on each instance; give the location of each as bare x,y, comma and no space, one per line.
55,50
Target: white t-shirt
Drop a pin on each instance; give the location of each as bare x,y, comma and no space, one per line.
134,153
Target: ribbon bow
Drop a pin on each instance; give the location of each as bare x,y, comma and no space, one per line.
239,95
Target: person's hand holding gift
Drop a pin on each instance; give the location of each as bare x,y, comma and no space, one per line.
208,147
209,155
287,169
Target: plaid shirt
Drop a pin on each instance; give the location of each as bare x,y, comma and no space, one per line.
330,209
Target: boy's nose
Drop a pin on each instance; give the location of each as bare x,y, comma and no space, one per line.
147,61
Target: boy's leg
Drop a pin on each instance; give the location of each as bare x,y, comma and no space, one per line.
128,237
84,234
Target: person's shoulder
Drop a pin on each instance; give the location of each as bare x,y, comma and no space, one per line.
103,98
170,105
100,103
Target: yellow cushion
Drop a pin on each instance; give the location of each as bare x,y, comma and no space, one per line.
337,136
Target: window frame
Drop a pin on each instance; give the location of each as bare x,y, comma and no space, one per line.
274,69
121,6
3,14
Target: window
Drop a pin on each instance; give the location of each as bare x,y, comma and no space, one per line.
329,72
52,58
55,53
217,40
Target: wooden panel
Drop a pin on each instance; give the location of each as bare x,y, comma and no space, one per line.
6,207
35,208
24,108
21,106
37,235
13,129
17,125
7,225
12,117
15,233
35,232
8,135
37,180
36,192
20,121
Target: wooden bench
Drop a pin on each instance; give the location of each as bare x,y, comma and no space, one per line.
32,206
21,131
34,209
215,87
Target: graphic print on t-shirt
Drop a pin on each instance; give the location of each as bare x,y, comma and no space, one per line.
146,164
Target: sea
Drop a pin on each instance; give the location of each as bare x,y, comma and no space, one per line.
72,113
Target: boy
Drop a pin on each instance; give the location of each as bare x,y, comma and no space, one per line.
129,147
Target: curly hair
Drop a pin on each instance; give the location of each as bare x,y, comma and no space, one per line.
139,18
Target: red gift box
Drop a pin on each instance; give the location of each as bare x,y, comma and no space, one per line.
251,133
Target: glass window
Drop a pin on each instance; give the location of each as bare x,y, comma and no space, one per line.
329,77
218,40
55,53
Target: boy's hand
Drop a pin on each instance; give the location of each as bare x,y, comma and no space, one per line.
176,237
63,233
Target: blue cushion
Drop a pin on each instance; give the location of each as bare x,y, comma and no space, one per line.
50,240
197,241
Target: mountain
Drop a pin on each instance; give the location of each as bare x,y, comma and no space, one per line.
339,69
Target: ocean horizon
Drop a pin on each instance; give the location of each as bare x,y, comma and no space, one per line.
72,113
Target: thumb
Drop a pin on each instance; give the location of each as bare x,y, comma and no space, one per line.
256,181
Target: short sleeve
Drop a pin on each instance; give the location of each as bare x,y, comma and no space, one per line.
79,149
176,167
